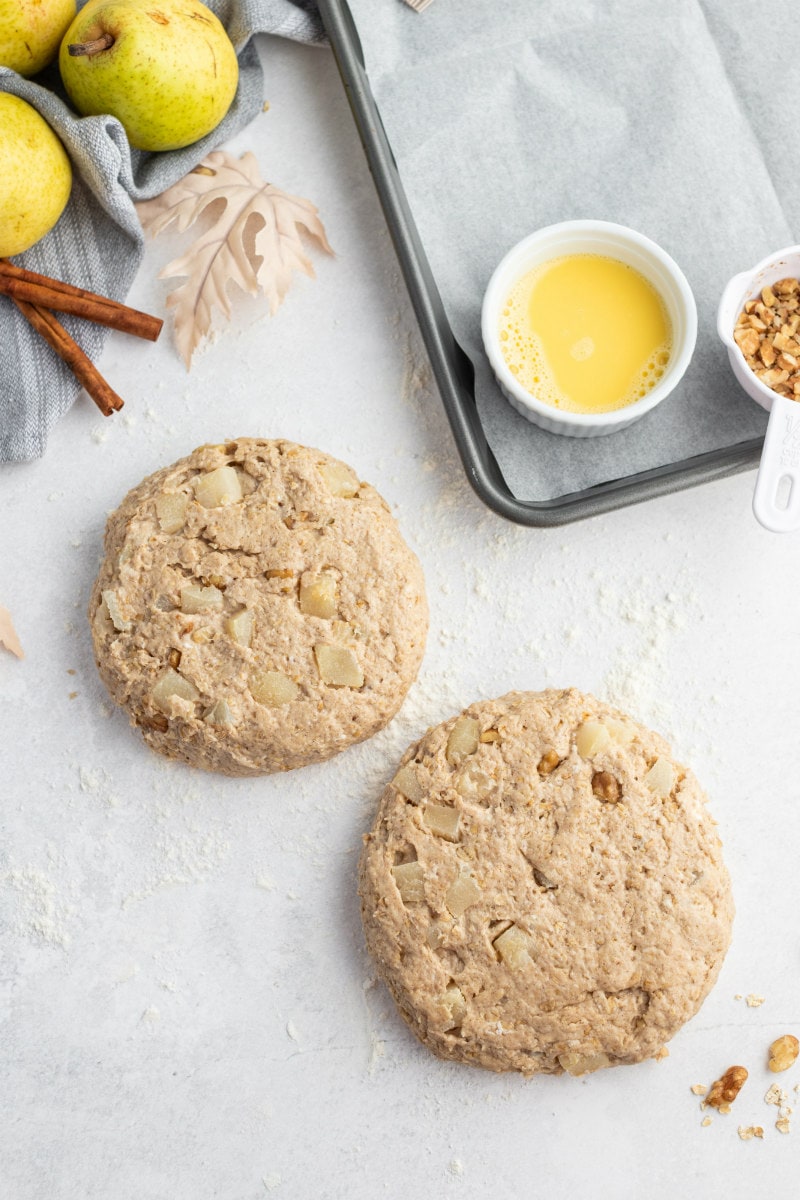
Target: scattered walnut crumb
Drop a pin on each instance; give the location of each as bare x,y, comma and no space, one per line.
746,1132
661,1054
706,1121
753,1001
724,1090
699,1089
768,334
779,1097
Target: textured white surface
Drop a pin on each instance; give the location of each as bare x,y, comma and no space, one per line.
186,1009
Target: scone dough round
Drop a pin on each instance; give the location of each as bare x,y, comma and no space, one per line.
257,608
543,889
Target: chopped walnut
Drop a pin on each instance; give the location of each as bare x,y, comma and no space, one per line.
724,1090
606,787
783,1053
746,1132
698,1089
767,334
548,763
490,735
174,658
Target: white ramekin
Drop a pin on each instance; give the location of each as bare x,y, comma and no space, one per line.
744,287
612,241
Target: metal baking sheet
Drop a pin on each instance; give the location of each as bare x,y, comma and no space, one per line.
453,368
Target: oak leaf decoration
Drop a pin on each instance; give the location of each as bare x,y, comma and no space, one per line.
8,634
254,241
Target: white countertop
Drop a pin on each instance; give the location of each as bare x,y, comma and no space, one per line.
186,1007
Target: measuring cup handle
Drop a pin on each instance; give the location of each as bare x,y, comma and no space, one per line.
780,469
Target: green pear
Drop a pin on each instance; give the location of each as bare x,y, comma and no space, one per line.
35,176
31,32
165,68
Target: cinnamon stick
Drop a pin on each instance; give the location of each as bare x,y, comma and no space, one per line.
67,349
41,290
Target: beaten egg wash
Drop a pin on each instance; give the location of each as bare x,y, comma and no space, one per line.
585,333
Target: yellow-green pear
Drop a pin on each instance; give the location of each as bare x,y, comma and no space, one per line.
165,68
31,32
35,176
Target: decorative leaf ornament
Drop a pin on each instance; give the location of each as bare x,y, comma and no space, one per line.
254,241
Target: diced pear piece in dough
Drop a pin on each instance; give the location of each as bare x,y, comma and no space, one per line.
246,481
462,740
472,782
620,732
338,666
111,601
170,685
581,1064
513,946
218,488
318,595
171,511
273,688
591,738
660,779
410,880
407,784
339,480
198,599
443,821
240,627
462,893
435,934
456,1006
219,714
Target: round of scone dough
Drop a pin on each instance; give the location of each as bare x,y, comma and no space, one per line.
543,889
257,608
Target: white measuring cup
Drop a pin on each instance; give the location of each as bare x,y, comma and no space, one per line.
776,499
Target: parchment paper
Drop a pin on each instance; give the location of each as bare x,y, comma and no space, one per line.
672,117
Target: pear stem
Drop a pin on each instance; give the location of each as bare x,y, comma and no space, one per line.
104,42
